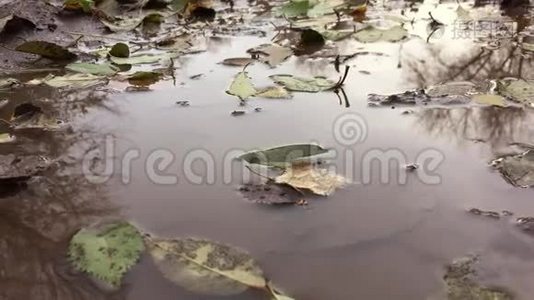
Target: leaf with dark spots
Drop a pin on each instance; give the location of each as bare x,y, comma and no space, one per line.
47,50
106,251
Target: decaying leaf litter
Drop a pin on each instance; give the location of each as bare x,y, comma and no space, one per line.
140,66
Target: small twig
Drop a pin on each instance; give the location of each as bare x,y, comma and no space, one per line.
342,79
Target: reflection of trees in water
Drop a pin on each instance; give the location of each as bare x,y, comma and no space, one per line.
37,222
436,63
495,125
431,66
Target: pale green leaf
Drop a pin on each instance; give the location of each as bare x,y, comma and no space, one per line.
70,81
300,84
372,34
242,86
95,69
489,99
274,92
107,251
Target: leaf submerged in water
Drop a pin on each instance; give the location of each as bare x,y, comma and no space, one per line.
461,284
206,267
107,251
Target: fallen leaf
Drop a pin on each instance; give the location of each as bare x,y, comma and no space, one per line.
46,49
518,169
75,81
271,54
242,87
489,99
274,92
178,5
206,267
95,69
122,24
372,34
295,8
300,84
7,83
139,59
85,5
521,91
143,78
284,156
461,282
20,168
309,177
120,50
107,251
238,61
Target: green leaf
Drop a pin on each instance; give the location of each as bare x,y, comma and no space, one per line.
206,267
178,5
106,252
519,90
70,81
95,69
300,84
323,8
242,87
372,34
295,8
46,49
120,50
284,156
142,78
